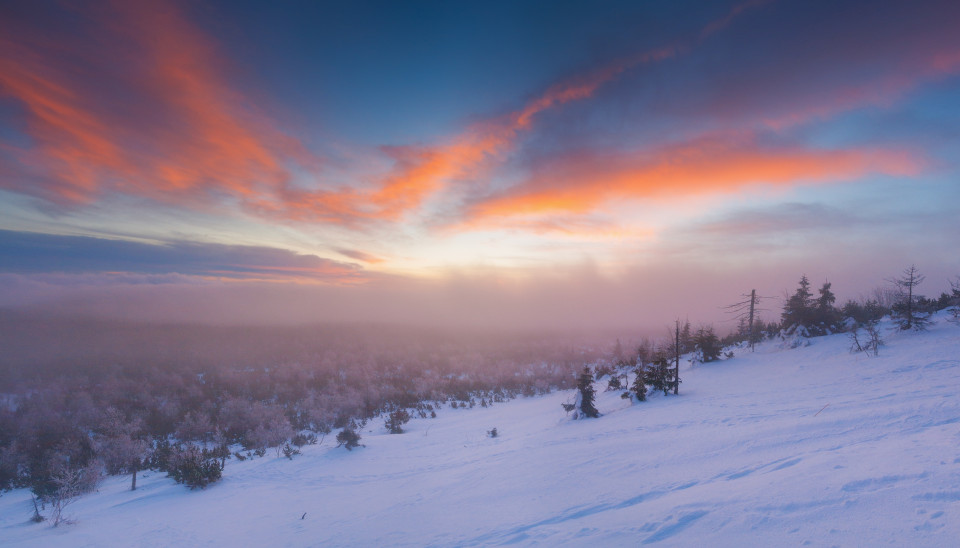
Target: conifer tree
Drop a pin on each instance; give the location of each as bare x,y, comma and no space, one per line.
955,299
906,311
639,386
686,338
797,309
660,374
826,313
396,420
348,438
586,396
708,345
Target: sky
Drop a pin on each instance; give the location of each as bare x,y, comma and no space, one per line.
512,164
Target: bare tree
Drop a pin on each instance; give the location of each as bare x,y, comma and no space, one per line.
69,484
906,310
746,311
868,342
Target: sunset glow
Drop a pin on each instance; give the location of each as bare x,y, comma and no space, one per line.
600,152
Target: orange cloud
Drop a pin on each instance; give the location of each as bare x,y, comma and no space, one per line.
585,184
149,113
185,136
421,171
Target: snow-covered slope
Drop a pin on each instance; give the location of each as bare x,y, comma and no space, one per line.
740,458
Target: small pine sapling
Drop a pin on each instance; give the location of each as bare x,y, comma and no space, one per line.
614,383
302,439
289,451
639,386
396,420
195,466
348,438
661,375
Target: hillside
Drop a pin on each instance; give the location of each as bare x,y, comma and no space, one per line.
741,457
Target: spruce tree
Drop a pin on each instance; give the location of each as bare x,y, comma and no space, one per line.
708,345
585,386
639,386
826,314
797,310
686,338
661,374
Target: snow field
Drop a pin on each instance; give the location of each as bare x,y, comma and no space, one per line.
740,458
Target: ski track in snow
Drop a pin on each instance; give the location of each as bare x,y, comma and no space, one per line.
740,458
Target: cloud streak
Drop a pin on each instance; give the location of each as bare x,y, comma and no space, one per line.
423,170
34,253
136,100
585,183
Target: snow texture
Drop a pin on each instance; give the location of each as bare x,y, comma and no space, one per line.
805,446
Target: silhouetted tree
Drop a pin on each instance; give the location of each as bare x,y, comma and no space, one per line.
955,299
907,311
826,316
797,310
639,386
861,313
348,438
686,338
586,395
660,374
708,347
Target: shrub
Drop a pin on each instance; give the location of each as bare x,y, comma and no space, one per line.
868,342
396,420
301,439
348,438
195,467
67,485
289,452
614,383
